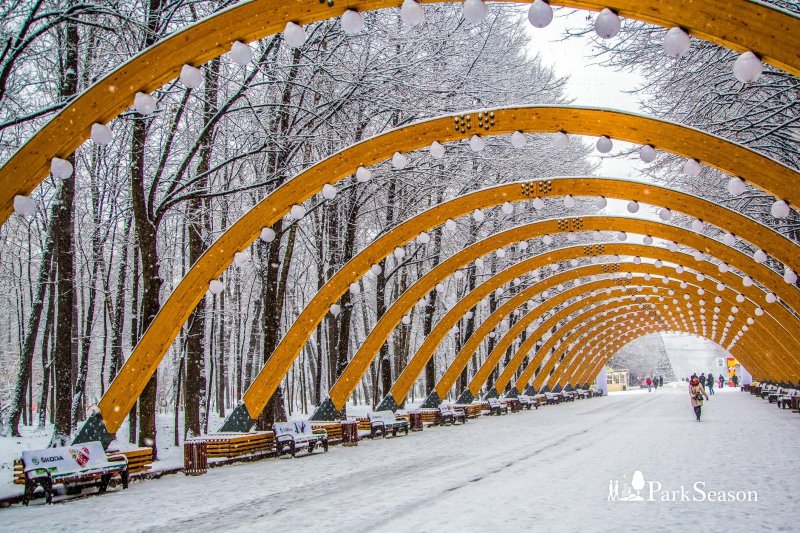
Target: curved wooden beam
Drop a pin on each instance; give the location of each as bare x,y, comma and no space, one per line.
740,25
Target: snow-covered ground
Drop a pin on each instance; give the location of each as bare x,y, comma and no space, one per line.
546,469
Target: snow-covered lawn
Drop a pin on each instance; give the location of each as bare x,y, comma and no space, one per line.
545,469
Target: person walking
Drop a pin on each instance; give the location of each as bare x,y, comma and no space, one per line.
702,379
696,393
649,384
660,381
721,381
710,383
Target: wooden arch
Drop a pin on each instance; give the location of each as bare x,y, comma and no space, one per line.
742,25
416,364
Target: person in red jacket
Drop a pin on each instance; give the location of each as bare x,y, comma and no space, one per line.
649,384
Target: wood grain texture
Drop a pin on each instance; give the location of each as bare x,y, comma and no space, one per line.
740,25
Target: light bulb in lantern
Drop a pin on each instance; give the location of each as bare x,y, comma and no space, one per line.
607,24
779,209
647,153
267,234
215,286
691,167
478,215
363,175
537,203
604,144
547,240
729,239
143,103
501,253
698,255
679,269
60,168
523,245
723,268
561,140
399,161
294,35
192,77
297,212
450,225
476,142
479,263
335,309
24,206
540,14
412,13
665,214
399,253
569,201
101,134
637,260
747,281
437,149
355,288
758,311
518,139
759,256
633,206
747,68
352,22
789,276
406,320
474,11
697,225
601,202
424,238
739,298
622,236
771,299
647,240
507,208
676,42
736,186
658,264
376,269
240,53
458,275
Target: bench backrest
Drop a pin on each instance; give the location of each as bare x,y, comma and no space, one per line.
387,417
64,460
523,398
493,402
301,427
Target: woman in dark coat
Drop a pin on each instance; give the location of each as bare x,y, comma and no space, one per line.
710,383
696,393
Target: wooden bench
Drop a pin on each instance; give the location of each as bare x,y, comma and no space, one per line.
333,430
449,415
785,400
472,410
382,422
766,390
74,467
139,460
527,401
773,396
431,417
495,407
291,437
232,445
552,398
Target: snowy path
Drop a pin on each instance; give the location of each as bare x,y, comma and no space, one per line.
543,469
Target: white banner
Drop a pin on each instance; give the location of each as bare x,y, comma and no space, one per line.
65,460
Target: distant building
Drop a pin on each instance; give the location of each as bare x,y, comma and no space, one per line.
617,380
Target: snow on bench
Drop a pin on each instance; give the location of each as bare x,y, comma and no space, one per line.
292,436
451,415
527,402
78,465
785,400
495,407
383,421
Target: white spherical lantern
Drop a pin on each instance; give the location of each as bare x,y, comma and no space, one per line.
60,168
352,22
478,215
267,234
450,225
437,149
647,153
747,68
376,269
474,11
676,42
458,275
24,206
476,142
789,276
101,134
780,209
440,287
479,263
691,167
633,206
771,299
759,256
722,267
191,77
523,245
501,253
658,264
399,161
399,252
601,202
328,191
697,225
736,186
561,140
747,281
679,269
143,103
507,208
216,286
297,212
499,292
665,214
537,203
729,239
412,13
622,236
698,255
758,311
607,24
294,35
355,288
540,14
637,260
547,240
424,238
647,240
335,309
363,175
569,201
518,139
406,320
240,53
740,298
604,144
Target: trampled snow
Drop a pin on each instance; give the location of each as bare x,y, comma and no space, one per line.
552,468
